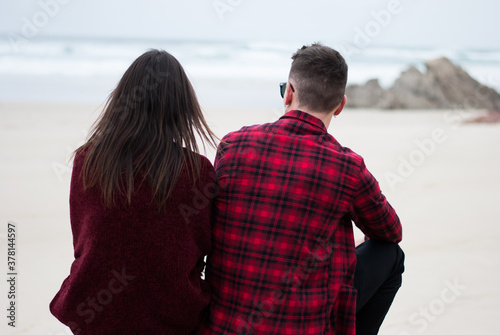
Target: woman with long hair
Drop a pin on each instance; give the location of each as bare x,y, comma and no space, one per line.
140,208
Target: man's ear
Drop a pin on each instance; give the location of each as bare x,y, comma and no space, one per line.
340,107
288,95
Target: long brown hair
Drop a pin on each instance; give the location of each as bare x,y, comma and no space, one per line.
147,121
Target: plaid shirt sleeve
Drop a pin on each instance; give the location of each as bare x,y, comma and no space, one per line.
371,211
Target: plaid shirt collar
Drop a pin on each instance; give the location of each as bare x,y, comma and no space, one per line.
307,118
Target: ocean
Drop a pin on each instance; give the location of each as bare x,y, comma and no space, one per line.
224,73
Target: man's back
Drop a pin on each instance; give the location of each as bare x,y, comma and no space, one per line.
283,258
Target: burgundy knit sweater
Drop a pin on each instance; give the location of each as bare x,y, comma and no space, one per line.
137,271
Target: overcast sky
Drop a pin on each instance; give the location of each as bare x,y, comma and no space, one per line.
420,23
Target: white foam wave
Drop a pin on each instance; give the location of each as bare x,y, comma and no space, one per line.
257,60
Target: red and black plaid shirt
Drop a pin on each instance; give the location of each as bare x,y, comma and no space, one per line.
283,258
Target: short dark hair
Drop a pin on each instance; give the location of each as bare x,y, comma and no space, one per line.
320,76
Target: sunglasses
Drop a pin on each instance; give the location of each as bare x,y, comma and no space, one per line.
283,89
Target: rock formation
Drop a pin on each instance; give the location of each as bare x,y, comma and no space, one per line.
444,85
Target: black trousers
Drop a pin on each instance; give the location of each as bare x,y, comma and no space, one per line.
377,279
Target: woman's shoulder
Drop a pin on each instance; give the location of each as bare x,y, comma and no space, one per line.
79,155
206,167
205,161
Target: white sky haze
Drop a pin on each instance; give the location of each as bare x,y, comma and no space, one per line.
409,23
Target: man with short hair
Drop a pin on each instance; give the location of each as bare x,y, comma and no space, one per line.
283,259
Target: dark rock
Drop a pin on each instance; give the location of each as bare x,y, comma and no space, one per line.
444,85
459,88
369,94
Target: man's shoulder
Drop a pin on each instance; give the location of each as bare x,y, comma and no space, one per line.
259,130
253,130
332,141
346,153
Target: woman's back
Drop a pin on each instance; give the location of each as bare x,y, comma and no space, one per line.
135,264
140,207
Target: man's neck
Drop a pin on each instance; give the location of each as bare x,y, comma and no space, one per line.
326,118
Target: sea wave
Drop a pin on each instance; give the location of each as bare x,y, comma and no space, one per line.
225,60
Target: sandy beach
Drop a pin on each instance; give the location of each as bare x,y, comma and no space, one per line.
440,174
